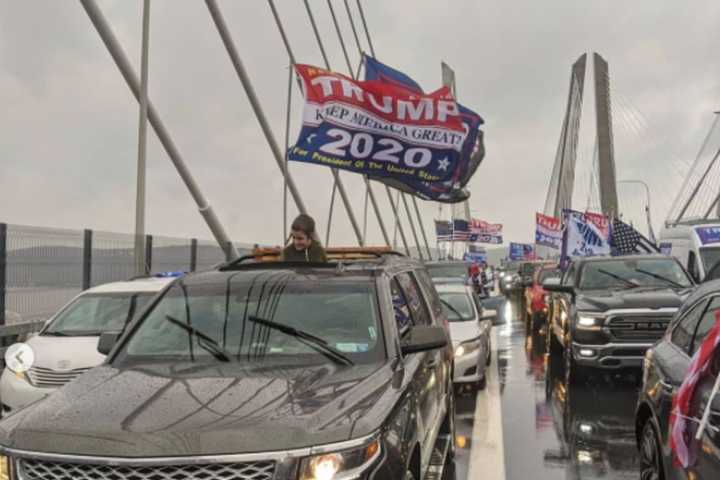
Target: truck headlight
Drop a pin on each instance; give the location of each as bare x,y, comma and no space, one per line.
4,468
589,323
346,464
467,348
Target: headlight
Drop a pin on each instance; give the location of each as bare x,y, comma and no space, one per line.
343,465
19,357
589,323
4,468
467,348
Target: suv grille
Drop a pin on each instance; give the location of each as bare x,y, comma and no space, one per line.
41,470
47,378
638,328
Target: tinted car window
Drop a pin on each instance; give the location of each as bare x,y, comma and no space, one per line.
547,274
685,330
415,300
569,278
403,316
628,273
94,314
430,292
191,321
710,257
706,323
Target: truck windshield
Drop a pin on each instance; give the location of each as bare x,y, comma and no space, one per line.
710,257
93,314
256,319
630,273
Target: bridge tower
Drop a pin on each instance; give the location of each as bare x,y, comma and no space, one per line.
607,180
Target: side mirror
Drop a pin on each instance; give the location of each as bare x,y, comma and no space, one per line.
554,285
107,342
488,314
423,339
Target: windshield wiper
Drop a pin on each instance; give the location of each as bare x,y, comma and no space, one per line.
308,339
208,343
661,278
56,334
454,310
627,282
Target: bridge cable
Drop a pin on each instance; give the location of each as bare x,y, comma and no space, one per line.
131,79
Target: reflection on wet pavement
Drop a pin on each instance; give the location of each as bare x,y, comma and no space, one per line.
552,431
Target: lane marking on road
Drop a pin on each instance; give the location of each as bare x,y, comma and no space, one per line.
487,460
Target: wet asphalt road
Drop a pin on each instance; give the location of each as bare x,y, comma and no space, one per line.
550,431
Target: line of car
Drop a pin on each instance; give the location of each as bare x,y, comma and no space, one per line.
258,370
641,313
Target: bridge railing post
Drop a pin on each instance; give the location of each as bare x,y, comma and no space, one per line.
193,254
3,270
87,259
148,253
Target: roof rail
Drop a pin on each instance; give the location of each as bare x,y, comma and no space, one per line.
334,255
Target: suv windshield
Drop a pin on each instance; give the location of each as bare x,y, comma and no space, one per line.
262,317
457,306
631,273
448,270
93,314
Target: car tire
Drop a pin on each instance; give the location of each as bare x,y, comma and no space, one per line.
651,464
488,360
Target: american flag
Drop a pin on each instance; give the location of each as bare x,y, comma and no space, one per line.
443,230
681,439
625,240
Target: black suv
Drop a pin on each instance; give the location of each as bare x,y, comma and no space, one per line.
666,366
258,371
607,311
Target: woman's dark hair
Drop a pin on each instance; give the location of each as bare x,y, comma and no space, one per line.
304,223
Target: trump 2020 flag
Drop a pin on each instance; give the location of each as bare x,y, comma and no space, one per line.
548,231
473,150
582,237
378,129
522,251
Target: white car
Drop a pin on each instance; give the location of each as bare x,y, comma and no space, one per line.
470,329
66,347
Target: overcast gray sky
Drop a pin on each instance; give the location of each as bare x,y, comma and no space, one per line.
68,140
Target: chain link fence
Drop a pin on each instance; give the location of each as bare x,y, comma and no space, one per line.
41,269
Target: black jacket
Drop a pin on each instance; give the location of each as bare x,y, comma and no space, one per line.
314,253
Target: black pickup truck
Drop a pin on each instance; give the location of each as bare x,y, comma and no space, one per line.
259,371
607,311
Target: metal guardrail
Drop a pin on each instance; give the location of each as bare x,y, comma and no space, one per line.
10,334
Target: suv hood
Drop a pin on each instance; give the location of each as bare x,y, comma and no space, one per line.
635,298
160,411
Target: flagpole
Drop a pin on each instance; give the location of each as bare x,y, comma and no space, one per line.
708,409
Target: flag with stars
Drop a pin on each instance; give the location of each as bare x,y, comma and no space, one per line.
625,240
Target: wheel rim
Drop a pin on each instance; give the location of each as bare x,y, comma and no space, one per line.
649,455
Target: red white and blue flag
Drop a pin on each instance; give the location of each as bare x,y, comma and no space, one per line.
548,231
378,129
680,435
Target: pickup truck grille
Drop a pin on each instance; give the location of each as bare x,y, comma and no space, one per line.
48,378
638,328
42,470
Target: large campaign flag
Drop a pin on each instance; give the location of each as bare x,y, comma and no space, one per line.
378,129
582,237
680,436
522,251
485,232
601,221
548,231
473,149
